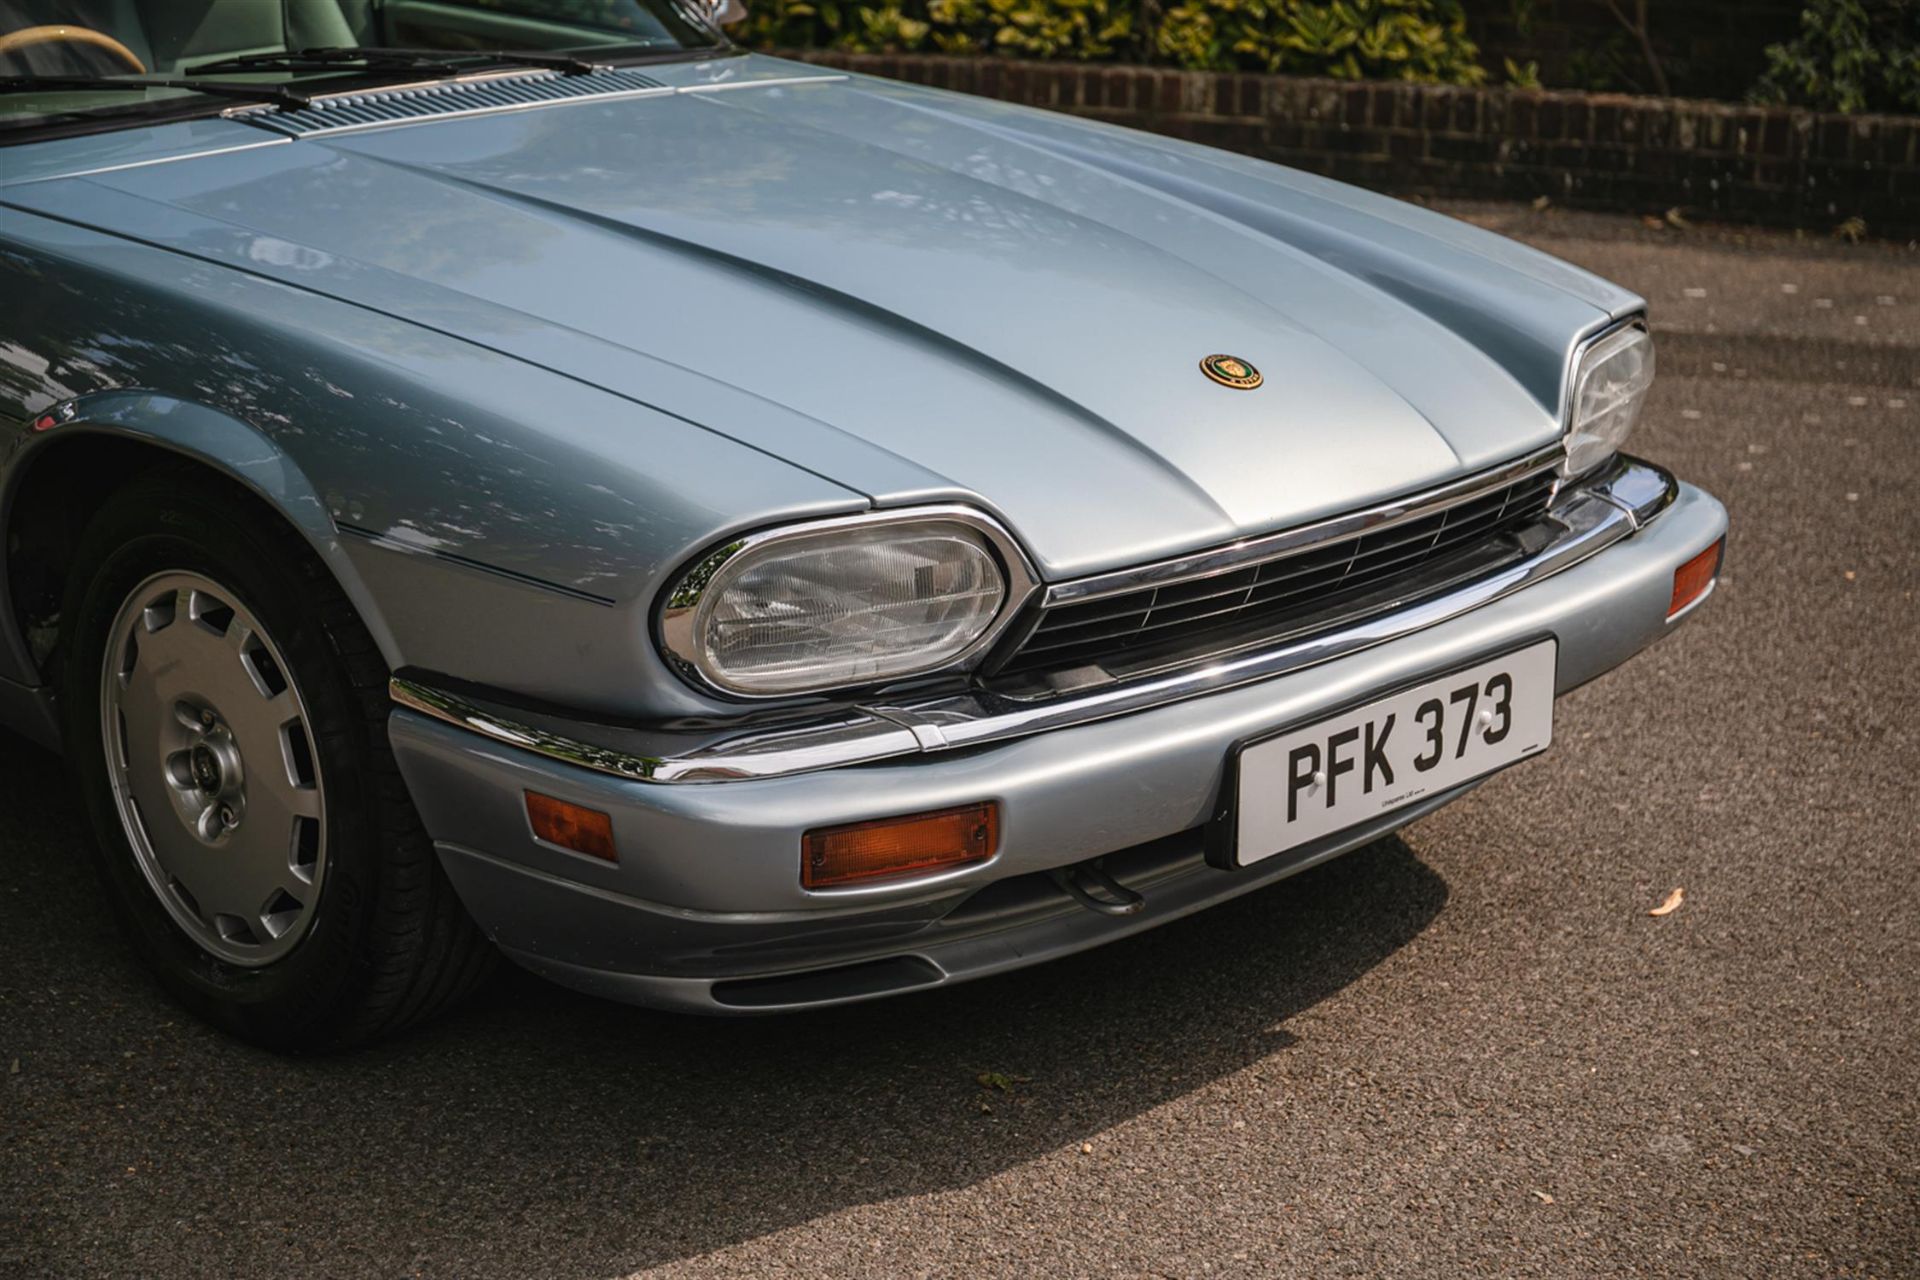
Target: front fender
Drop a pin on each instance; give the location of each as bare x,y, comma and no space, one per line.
493,520
222,443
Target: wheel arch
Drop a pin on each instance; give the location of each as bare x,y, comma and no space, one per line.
74,457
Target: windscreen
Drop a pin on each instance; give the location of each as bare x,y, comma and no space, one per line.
118,48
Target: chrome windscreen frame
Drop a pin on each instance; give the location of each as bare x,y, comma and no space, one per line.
674,616
1588,516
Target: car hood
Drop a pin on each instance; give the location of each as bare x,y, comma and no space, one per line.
922,296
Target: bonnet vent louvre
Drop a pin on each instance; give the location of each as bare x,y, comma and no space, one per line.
454,98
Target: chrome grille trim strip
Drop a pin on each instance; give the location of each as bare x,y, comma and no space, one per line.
1277,593
1290,542
1589,519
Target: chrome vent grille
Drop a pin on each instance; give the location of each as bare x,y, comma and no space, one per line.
1369,572
452,98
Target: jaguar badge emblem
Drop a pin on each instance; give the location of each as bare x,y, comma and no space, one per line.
1231,371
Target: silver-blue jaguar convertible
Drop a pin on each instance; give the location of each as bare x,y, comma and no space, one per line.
524,476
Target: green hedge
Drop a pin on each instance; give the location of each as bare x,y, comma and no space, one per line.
1423,40
1850,55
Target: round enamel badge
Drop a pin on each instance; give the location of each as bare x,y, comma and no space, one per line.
1231,371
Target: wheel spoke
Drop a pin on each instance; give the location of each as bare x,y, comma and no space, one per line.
304,802
261,857
138,704
160,613
258,725
182,857
161,640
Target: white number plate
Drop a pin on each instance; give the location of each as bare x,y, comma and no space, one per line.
1310,782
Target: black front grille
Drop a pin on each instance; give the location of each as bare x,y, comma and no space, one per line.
1390,565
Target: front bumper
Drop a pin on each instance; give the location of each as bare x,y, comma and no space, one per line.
705,910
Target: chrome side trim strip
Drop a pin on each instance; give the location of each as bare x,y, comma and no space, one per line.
853,738
1590,518
1292,542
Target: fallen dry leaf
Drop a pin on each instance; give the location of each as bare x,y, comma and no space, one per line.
1671,905
1543,1197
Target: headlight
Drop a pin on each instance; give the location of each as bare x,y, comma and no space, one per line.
1608,389
841,603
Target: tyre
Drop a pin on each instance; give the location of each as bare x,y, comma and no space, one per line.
225,713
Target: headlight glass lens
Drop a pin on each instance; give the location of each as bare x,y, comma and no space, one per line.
1608,390
816,611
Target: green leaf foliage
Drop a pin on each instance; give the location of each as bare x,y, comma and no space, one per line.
1850,55
1421,40
1523,75
1080,29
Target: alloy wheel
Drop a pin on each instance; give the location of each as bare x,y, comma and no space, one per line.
211,760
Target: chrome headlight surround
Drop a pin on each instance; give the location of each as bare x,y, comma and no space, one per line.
1612,373
685,618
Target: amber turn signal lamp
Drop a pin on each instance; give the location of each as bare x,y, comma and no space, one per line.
890,847
1692,579
572,827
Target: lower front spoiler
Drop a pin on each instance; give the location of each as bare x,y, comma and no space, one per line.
1008,925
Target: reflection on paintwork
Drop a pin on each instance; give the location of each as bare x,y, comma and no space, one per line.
460,450
861,229
879,231
470,473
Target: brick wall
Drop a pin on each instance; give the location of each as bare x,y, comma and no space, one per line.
1714,160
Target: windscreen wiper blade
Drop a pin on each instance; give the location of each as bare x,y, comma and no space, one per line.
279,95
382,58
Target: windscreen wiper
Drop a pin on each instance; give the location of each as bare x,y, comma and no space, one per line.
377,58
279,95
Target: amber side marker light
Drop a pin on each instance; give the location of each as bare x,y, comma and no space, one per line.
892,847
1694,579
571,826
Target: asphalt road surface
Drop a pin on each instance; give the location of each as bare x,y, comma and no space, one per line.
1468,1049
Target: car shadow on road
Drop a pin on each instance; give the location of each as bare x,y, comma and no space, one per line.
540,1132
